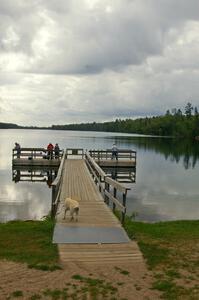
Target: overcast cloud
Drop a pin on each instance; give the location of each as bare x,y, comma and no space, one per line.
96,60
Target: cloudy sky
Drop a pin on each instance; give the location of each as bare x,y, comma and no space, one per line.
96,60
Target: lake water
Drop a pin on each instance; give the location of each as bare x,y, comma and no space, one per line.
166,187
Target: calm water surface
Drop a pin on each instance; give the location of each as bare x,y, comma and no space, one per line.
167,173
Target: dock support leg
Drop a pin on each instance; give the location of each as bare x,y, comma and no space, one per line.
53,208
115,195
124,204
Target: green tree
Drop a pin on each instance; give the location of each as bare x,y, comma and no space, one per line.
188,109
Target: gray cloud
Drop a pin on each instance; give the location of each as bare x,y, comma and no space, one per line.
71,61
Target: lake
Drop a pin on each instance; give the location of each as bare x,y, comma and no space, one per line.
167,172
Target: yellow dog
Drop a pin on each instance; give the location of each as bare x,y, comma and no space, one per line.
73,206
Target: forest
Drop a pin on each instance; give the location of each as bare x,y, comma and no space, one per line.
175,123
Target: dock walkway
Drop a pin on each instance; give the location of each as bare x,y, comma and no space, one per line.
95,216
98,237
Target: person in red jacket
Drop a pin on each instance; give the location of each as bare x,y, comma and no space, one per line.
50,148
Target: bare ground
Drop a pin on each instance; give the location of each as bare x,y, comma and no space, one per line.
18,279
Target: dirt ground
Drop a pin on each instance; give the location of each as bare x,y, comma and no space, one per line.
18,281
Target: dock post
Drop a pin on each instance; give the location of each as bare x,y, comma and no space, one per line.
100,188
124,204
115,195
53,201
107,187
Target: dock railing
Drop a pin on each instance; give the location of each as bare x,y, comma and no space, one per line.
107,154
56,186
108,186
32,153
75,152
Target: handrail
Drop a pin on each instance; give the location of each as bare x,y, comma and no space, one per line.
75,151
32,152
95,165
107,154
98,174
56,184
59,173
115,201
110,150
117,185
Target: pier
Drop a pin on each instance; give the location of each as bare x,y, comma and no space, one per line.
34,157
98,237
126,158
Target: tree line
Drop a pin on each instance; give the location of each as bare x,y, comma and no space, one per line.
174,123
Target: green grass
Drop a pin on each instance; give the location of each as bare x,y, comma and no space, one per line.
80,288
171,250
121,271
29,242
96,287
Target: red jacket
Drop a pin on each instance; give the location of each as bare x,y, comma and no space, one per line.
50,147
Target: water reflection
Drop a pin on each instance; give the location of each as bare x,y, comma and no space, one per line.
123,175
34,174
25,202
181,151
167,173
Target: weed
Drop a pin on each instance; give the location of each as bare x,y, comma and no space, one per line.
173,274
77,277
54,294
44,267
17,294
35,297
124,272
95,287
120,283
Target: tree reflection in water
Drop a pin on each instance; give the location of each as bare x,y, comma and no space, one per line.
177,150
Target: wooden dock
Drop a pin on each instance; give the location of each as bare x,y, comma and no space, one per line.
36,157
126,158
80,177
94,213
115,163
36,162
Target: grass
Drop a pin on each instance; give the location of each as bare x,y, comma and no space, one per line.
171,250
80,288
17,294
123,272
29,242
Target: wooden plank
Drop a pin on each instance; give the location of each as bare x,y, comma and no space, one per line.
116,163
77,182
114,200
95,165
116,184
36,162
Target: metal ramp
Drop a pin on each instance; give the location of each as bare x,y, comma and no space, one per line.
89,235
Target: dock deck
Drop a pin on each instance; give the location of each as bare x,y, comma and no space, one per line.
98,237
94,215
